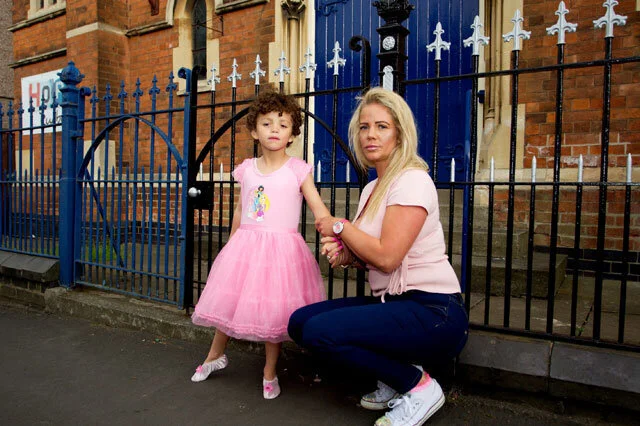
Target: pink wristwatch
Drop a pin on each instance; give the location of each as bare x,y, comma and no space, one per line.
339,226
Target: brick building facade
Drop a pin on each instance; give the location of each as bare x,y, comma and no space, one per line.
125,40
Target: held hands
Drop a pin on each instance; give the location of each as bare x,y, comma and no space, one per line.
332,246
337,253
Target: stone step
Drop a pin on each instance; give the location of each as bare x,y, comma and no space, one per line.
498,242
539,276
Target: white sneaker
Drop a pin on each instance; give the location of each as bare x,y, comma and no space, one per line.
270,388
203,371
379,399
414,408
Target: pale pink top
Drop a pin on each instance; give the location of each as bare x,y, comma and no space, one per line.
272,200
425,267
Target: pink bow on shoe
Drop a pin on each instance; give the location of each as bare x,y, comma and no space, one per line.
199,369
268,388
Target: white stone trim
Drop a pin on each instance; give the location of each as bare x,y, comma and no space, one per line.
35,11
96,26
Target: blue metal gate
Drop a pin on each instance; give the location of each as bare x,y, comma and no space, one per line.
129,195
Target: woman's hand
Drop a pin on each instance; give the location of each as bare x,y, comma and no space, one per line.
324,226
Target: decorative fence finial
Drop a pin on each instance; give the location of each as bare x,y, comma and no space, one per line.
337,61
214,78
258,72
518,32
234,76
438,45
477,39
387,78
610,18
308,66
71,75
282,69
562,25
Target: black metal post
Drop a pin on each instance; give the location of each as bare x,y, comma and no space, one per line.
553,242
602,201
512,174
393,38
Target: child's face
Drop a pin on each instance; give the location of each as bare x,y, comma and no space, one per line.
273,131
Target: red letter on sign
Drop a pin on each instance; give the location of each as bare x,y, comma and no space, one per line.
35,95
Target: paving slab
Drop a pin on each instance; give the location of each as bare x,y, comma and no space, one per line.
60,370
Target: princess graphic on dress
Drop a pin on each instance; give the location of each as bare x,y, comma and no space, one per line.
260,204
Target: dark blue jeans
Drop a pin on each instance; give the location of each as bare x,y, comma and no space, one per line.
383,340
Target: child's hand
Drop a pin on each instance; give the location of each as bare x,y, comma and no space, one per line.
324,225
333,248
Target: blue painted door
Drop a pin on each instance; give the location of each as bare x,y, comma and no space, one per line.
339,20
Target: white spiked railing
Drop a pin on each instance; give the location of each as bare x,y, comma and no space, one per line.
282,69
308,67
214,78
477,39
337,61
257,72
610,18
438,44
234,76
562,26
518,33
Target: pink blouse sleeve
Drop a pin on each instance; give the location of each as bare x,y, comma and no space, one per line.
414,188
239,171
300,169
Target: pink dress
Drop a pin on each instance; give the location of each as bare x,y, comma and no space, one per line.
266,270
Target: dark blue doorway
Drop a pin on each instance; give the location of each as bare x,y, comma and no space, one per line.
340,20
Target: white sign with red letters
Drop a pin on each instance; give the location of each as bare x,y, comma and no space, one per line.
43,89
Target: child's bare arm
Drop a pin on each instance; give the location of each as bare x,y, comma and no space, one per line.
313,199
237,215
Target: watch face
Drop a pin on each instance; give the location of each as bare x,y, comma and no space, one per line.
388,43
338,227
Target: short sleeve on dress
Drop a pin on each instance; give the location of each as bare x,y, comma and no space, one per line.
414,188
300,169
239,171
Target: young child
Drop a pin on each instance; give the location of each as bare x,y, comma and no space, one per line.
265,271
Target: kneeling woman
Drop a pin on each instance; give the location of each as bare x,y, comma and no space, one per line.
416,315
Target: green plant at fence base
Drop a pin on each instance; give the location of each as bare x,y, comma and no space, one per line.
103,252
96,252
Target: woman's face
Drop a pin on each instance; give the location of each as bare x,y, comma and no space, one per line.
378,134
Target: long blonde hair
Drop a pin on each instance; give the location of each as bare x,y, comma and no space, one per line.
404,155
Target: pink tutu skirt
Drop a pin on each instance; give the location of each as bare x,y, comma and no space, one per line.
256,282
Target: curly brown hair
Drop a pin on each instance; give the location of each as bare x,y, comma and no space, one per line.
271,101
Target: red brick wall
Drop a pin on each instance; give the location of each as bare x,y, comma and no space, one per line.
582,116
140,13
567,216
19,10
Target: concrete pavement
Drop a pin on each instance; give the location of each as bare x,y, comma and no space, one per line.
59,370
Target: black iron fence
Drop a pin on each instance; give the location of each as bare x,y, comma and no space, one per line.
550,252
